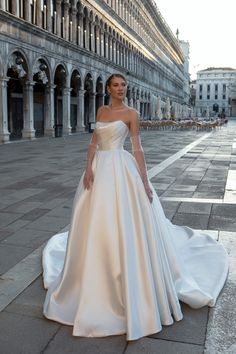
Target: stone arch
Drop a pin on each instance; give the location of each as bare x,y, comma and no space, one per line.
61,94
42,78
19,53
19,95
48,70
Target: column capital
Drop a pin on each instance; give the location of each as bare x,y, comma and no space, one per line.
50,87
4,80
81,92
29,83
67,90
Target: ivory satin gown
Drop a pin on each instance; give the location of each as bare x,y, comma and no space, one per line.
124,267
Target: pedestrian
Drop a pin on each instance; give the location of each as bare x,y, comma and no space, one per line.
123,267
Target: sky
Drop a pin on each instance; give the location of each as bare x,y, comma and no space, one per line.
210,28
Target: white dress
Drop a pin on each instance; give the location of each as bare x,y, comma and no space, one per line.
125,266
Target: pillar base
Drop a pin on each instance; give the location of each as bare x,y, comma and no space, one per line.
49,132
67,131
80,129
4,137
28,134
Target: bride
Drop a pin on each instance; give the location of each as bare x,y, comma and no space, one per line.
123,267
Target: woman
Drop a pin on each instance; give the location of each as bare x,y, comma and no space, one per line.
126,266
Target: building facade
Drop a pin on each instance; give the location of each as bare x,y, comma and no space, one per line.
216,92
56,55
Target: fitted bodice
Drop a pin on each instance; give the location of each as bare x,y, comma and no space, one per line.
111,135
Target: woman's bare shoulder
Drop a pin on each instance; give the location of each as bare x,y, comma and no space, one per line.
133,114
101,111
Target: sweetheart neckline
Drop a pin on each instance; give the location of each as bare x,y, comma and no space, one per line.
115,121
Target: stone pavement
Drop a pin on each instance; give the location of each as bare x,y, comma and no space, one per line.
194,175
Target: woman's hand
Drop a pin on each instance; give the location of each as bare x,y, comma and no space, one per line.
88,178
148,191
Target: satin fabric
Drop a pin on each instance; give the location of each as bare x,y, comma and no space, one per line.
124,267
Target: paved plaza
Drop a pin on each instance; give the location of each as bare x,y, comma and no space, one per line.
194,174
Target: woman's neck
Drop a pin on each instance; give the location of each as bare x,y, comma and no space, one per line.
117,105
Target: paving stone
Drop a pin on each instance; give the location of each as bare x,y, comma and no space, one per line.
221,330
27,238
11,255
8,218
62,210
48,223
16,225
174,193
4,233
228,210
34,214
218,222
195,208
56,202
158,346
182,187
196,221
24,335
30,301
64,342
192,329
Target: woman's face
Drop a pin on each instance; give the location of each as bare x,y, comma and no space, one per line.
117,88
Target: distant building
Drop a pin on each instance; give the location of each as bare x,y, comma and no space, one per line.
216,92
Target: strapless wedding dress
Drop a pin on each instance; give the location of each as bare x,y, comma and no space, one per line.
124,267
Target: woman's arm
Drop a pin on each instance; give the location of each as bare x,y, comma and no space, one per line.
88,176
138,154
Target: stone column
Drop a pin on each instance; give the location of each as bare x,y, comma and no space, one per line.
49,15
114,50
98,40
167,108
66,110
158,109
15,8
49,111
58,10
4,133
28,110
3,4
26,10
80,30
74,24
80,110
92,38
106,45
102,43
138,107
38,13
66,16
86,34
92,107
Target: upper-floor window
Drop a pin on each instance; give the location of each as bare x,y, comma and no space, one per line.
216,87
223,97
216,97
208,97
200,88
200,97
208,87
224,87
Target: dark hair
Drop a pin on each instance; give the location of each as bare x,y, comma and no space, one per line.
115,75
